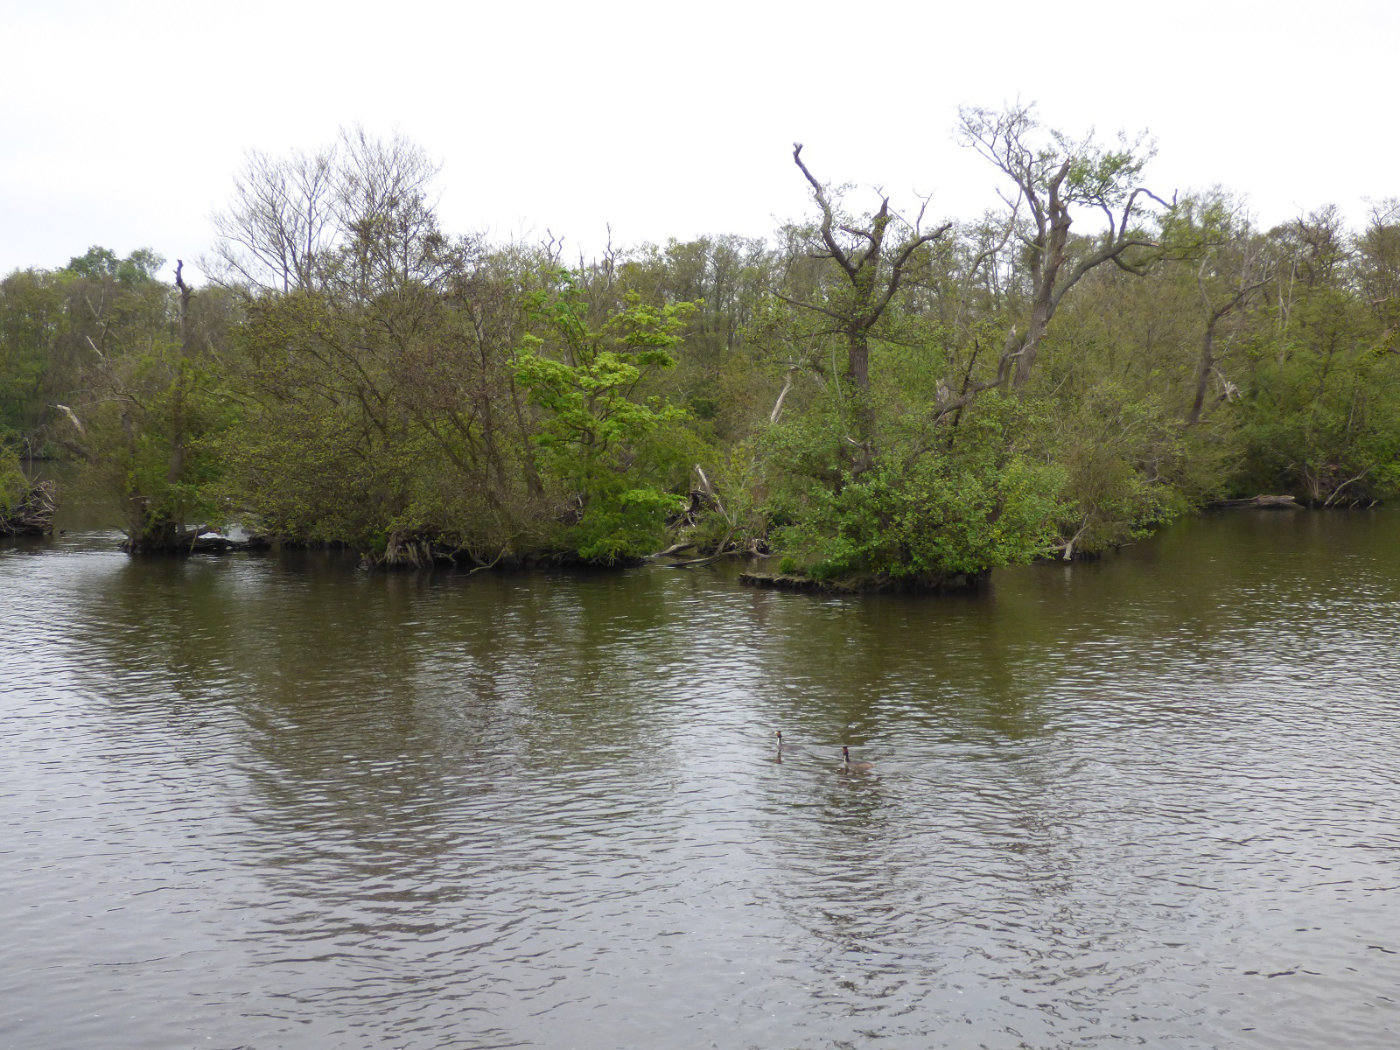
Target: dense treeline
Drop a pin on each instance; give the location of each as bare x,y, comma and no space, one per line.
873,397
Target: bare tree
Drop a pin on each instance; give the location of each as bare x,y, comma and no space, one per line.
873,269
385,217
358,214
1054,178
1378,259
279,224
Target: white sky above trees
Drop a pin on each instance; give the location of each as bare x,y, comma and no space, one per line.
123,124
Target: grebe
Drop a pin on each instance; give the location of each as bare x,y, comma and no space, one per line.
853,767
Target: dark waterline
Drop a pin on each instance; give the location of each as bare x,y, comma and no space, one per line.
1153,800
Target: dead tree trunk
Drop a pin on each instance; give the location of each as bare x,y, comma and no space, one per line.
1051,178
873,272
178,406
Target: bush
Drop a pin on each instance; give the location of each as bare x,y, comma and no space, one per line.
14,484
1325,430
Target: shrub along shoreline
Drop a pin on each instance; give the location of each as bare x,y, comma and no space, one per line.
875,399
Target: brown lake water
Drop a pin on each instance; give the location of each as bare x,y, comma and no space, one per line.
262,802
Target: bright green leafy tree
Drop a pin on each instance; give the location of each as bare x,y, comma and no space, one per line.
604,444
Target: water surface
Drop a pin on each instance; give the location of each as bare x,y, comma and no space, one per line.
1149,801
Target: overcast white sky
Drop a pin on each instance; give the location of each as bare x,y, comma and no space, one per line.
122,124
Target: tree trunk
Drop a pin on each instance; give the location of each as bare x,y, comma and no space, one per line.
178,408
1203,371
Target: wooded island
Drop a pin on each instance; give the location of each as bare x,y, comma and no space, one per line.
876,399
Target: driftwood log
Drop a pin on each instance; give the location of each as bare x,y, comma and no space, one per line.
1262,502
192,541
866,584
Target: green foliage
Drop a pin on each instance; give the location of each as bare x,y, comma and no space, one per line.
1198,224
741,518
132,388
14,483
1128,465
930,514
928,524
157,442
30,316
1319,414
1325,429
348,440
1015,139
601,443
99,264
1101,175
372,382
61,331
618,526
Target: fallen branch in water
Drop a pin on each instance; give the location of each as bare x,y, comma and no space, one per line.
705,560
674,548
756,549
1263,501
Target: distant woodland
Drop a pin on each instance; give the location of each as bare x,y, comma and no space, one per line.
873,398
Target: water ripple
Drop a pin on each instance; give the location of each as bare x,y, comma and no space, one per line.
263,803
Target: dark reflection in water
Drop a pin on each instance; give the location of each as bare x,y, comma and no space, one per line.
1152,800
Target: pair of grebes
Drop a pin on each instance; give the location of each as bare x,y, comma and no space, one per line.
847,766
